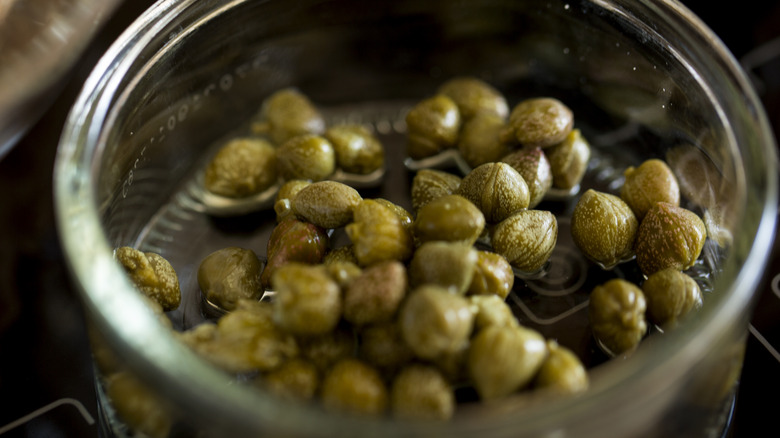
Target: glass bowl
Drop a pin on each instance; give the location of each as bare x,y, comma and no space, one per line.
645,79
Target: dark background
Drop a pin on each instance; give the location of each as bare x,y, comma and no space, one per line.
43,355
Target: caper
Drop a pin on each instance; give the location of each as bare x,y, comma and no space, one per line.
432,126
420,392
562,372
491,310
307,302
382,345
604,228
475,96
539,122
241,167
669,237
327,204
526,239
376,294
449,218
446,264
430,184
284,197
435,322
345,253
651,182
493,275
497,189
406,218
152,274
327,349
288,113
378,234
342,272
353,387
670,295
569,160
296,380
480,142
229,274
617,316
140,407
357,149
293,240
534,167
504,359
309,157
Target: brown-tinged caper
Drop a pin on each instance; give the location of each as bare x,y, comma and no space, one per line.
475,96
357,149
493,275
450,218
309,157
504,359
307,302
539,122
670,295
435,321
378,234
140,407
325,350
228,275
569,160
604,228
617,316
430,184
669,237
534,167
651,182
497,189
295,380
327,204
288,113
491,310
383,346
283,203
562,372
375,295
432,126
152,274
420,392
242,167
446,264
354,387
480,142
526,239
293,240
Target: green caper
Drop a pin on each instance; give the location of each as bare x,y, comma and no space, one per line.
327,204
526,239
296,380
284,197
288,113
504,359
308,301
293,240
651,182
617,316
327,349
242,167
604,228
493,275
378,234
138,405
309,157
382,345
491,310
357,149
534,167
669,237
406,218
229,274
375,295
475,96
342,271
432,125
430,184
497,189
670,295
420,392
562,372
480,142
450,218
539,122
354,387
569,160
152,274
446,264
345,253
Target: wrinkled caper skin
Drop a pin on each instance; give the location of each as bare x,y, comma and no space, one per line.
617,316
450,218
375,295
230,274
327,204
353,387
293,240
669,237
288,113
534,167
562,372
497,189
152,274
421,393
474,97
653,181
493,275
435,322
604,228
430,184
141,408
403,214
357,149
382,345
432,126
526,239
283,203
504,359
308,301
480,141
670,295
447,264
309,157
242,167
491,310
569,160
379,234
295,380
539,122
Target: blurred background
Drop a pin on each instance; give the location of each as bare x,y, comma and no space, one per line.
46,387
